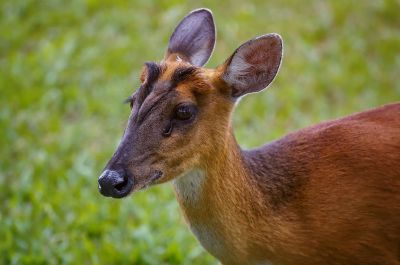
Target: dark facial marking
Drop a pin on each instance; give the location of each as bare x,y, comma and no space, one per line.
182,73
153,72
146,109
145,106
168,130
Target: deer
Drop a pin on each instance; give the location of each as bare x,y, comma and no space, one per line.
326,194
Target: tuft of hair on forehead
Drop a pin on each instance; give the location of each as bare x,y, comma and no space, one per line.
182,73
150,74
167,77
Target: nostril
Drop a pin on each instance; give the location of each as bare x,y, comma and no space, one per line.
120,186
115,183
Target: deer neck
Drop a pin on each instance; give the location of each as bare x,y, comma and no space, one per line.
215,201
224,177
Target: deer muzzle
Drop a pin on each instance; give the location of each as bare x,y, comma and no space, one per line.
115,183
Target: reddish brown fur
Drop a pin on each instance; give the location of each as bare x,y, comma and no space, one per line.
327,194
345,211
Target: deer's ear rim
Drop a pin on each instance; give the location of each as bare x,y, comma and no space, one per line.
227,71
176,48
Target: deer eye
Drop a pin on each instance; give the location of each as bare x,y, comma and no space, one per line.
185,112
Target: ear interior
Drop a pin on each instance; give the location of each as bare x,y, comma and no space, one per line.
193,39
254,65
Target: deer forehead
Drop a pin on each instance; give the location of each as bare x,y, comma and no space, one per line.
178,76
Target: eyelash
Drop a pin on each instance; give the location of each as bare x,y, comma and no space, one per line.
129,100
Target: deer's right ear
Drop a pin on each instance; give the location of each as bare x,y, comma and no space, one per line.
193,39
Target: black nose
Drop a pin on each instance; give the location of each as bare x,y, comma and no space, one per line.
115,184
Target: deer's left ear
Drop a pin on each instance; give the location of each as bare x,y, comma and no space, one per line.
253,65
193,39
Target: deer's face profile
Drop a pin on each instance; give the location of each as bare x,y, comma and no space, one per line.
181,112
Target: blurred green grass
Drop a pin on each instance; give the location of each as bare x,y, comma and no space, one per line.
66,66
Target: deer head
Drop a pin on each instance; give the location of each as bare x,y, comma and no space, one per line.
181,114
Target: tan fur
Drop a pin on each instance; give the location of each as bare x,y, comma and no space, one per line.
345,211
327,194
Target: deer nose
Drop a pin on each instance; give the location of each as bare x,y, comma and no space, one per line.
115,184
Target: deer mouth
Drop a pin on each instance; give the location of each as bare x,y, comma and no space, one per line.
147,182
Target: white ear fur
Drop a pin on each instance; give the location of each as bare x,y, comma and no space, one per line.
254,65
194,38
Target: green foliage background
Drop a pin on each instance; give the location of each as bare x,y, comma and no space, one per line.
66,66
